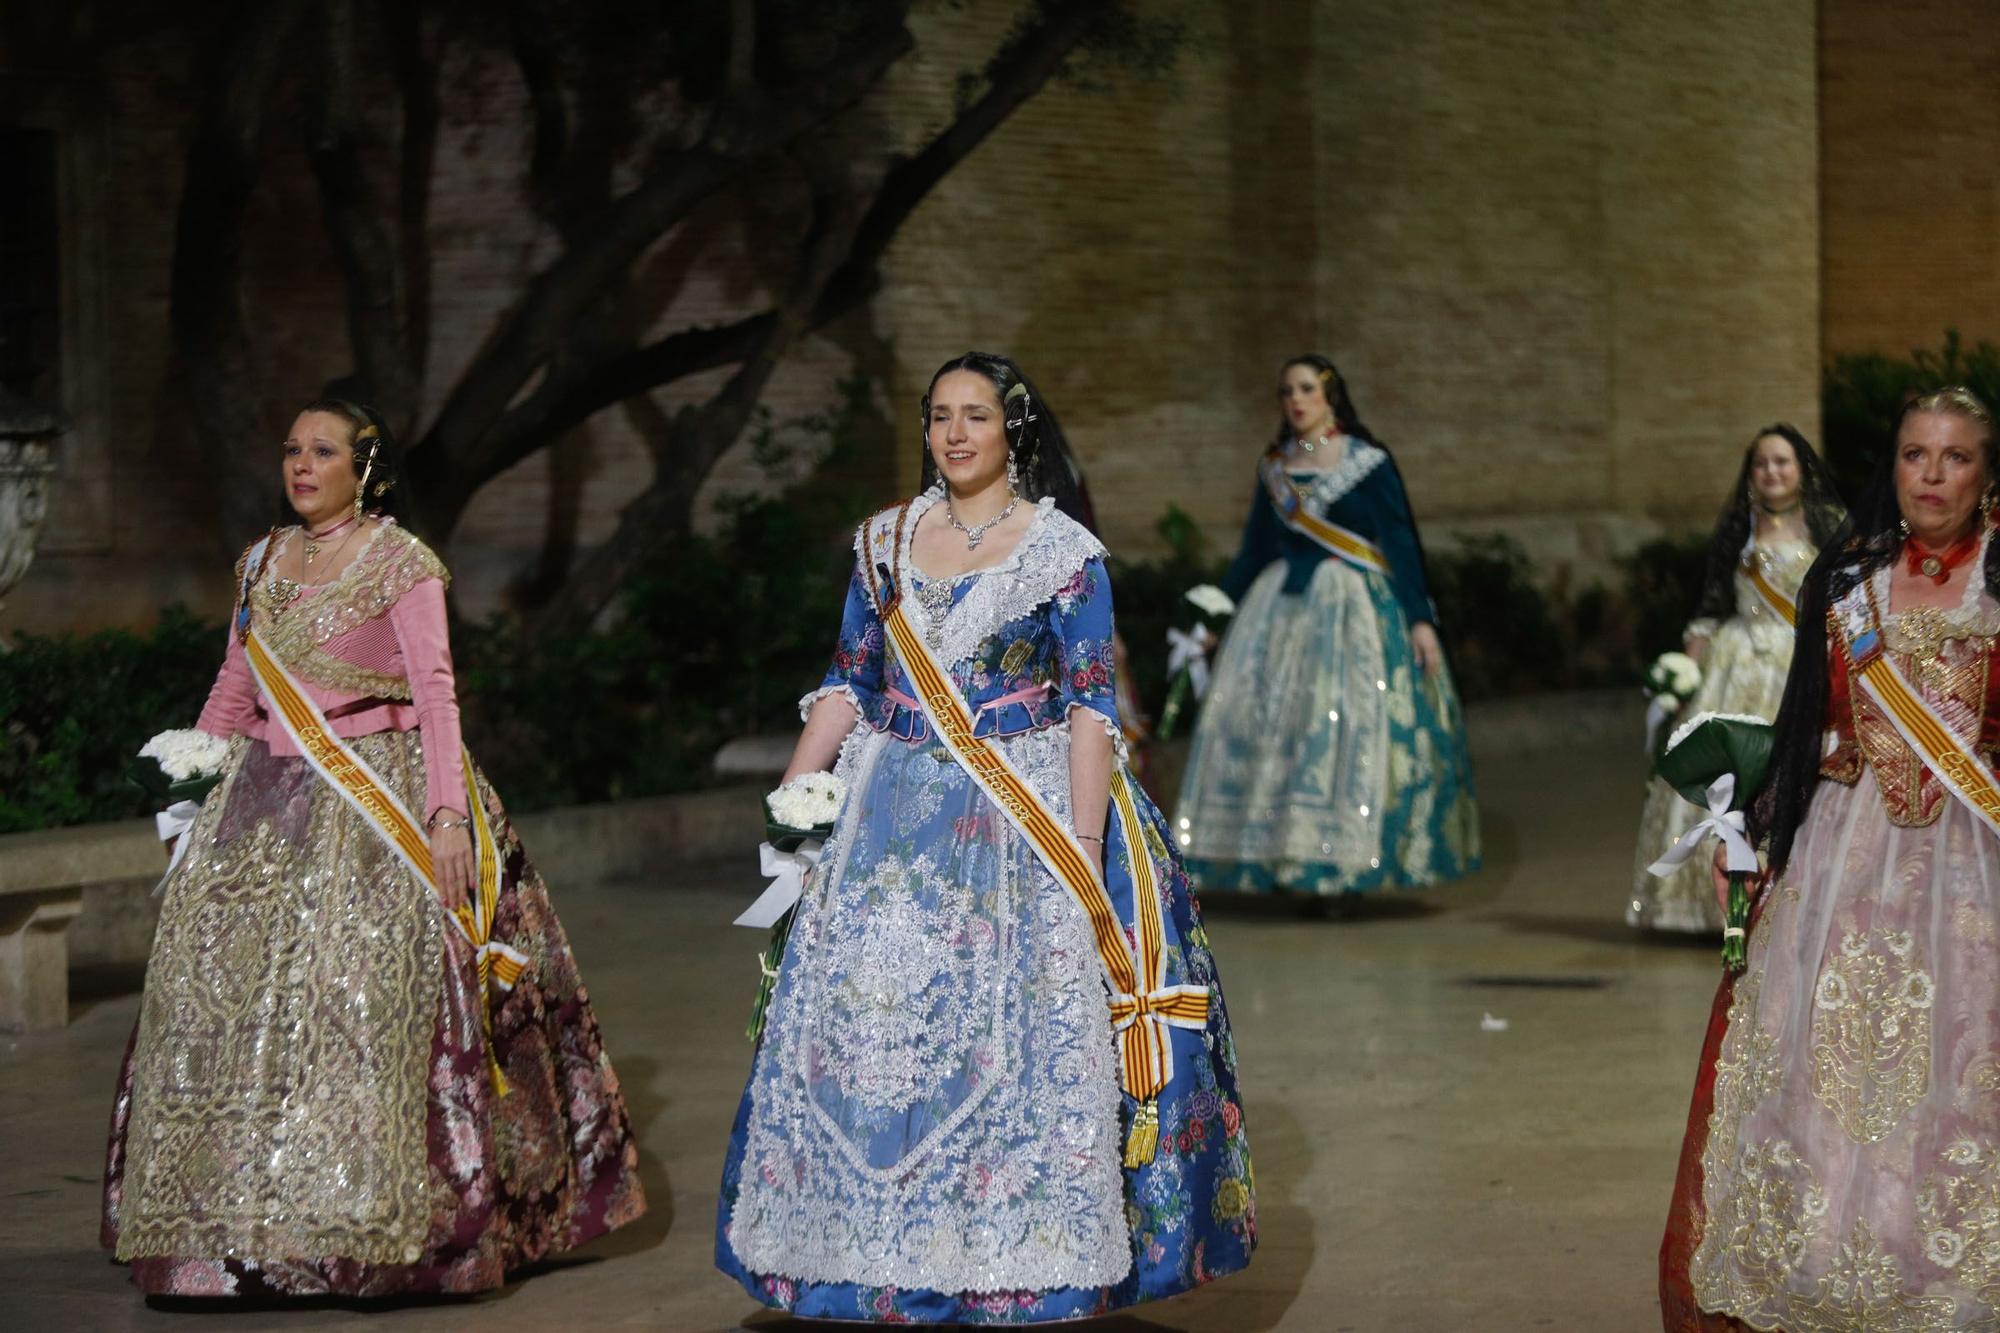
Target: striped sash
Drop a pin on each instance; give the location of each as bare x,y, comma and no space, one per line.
1920,726
1293,512
1769,593
497,963
1143,1008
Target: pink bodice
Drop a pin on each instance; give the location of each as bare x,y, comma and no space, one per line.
372,649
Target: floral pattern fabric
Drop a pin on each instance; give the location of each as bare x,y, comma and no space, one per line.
933,1127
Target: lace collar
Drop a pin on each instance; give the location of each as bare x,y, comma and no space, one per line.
1050,553
390,565
1358,460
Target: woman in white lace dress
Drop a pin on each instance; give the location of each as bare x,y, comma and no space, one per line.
943,1123
1782,510
1842,1163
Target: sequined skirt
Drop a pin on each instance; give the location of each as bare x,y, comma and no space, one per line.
1325,760
307,1108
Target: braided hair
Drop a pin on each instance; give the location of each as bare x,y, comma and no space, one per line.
1823,515
1871,538
1035,438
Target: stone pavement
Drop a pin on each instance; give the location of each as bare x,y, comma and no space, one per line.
1414,1170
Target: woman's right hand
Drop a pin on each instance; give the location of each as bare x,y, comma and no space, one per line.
1695,646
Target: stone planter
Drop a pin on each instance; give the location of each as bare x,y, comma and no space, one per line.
27,457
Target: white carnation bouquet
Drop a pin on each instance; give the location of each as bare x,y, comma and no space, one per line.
803,808
798,819
1669,683
180,765
1187,653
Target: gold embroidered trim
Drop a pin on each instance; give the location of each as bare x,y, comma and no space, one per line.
1871,1033
279,1076
390,565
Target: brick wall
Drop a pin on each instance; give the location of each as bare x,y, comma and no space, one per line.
1910,172
1566,254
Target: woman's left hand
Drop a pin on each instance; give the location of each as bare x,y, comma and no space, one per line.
1424,644
451,859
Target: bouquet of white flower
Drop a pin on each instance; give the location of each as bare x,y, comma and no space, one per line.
1187,654
1717,762
180,765
803,808
1670,682
798,818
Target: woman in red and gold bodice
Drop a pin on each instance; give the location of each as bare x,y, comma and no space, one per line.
365,1063
1842,1162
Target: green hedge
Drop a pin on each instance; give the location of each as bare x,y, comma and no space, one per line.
719,635
74,711
719,638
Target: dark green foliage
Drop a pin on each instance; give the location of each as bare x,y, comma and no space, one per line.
1497,625
1662,584
1148,598
716,638
75,710
1860,396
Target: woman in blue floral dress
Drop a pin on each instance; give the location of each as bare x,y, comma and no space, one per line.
937,1126
1330,755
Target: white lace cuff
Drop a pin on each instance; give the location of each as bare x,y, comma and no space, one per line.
1701,629
807,700
1120,751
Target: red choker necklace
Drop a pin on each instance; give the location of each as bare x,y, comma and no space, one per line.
1937,565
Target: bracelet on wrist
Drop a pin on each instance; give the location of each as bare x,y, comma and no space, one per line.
439,822
1090,837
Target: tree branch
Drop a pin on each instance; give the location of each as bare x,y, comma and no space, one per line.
354,221
416,76
624,231
699,436
222,171
562,401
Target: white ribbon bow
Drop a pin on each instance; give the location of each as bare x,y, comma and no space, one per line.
1658,710
174,822
1723,823
788,871
1186,650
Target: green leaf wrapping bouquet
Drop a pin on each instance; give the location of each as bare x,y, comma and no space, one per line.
1717,761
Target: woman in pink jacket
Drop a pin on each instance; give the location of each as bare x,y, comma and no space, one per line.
365,1063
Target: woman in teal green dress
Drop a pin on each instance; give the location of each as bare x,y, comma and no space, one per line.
1330,755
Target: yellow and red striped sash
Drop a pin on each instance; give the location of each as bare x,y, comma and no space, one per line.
1768,591
383,811
1293,512
1963,775
1142,1008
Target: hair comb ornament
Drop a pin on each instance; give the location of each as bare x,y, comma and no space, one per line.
1027,413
